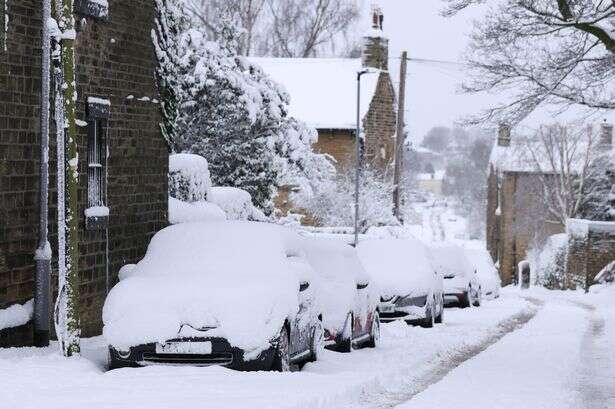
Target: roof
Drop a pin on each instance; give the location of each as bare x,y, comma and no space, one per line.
323,91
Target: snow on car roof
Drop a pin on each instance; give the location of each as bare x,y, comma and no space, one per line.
334,258
327,83
397,265
451,258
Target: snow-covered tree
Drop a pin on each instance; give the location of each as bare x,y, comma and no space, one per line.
545,51
599,197
333,204
228,110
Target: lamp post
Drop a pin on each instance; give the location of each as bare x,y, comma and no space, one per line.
358,158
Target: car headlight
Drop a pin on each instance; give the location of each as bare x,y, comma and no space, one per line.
408,301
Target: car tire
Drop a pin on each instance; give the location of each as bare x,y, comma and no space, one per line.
440,318
374,335
479,298
281,357
466,302
114,363
345,344
429,320
318,341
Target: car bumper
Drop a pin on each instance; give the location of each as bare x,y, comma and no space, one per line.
455,298
222,354
402,313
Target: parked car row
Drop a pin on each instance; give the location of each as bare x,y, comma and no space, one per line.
256,296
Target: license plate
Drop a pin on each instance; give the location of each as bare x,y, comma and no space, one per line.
200,348
387,308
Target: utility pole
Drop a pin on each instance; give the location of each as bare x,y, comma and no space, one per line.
69,306
43,250
401,139
359,161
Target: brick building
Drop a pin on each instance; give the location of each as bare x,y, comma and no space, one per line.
123,157
323,94
517,217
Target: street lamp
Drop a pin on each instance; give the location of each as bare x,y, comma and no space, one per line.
358,157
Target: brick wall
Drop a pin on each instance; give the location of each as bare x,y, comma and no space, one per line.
380,125
338,143
114,60
591,246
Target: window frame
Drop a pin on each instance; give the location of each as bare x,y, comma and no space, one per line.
97,115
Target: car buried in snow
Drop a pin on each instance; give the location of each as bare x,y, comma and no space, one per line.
410,287
462,286
346,293
236,294
488,275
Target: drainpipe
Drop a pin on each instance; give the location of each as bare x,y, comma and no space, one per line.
43,251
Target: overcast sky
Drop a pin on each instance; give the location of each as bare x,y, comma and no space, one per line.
432,89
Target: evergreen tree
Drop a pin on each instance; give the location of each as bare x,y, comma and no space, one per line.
599,201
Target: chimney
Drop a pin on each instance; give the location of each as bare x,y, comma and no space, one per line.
504,135
375,44
606,136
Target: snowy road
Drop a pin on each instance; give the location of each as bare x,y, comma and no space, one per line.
509,347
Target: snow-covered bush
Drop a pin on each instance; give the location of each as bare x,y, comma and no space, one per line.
185,212
189,178
226,109
235,203
548,263
333,204
599,201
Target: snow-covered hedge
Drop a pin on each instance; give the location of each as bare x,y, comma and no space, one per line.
189,178
548,264
185,212
236,203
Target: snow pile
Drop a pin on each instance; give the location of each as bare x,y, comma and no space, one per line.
16,315
234,276
548,264
189,178
398,267
340,270
185,212
606,275
487,273
97,211
235,202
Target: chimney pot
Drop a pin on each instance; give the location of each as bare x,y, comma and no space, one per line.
606,135
504,135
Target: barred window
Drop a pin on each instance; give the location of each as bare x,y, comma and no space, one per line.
97,148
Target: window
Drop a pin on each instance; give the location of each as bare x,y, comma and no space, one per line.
97,213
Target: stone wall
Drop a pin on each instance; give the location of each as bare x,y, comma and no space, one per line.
338,143
114,60
591,246
516,219
380,125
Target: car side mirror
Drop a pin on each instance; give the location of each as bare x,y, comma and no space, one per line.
304,286
362,286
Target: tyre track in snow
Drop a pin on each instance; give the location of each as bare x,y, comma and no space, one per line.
410,387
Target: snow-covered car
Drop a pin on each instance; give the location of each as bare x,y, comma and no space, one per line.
461,284
348,298
410,287
237,294
488,275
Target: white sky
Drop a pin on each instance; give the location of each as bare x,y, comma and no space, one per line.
432,89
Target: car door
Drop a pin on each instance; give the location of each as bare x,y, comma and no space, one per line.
362,313
302,325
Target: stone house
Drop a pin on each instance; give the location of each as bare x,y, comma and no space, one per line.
123,157
323,94
516,214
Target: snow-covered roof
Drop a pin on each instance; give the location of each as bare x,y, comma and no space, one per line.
323,91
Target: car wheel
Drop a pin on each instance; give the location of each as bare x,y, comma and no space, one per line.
479,298
345,344
114,363
467,299
281,358
374,335
440,318
428,321
318,341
